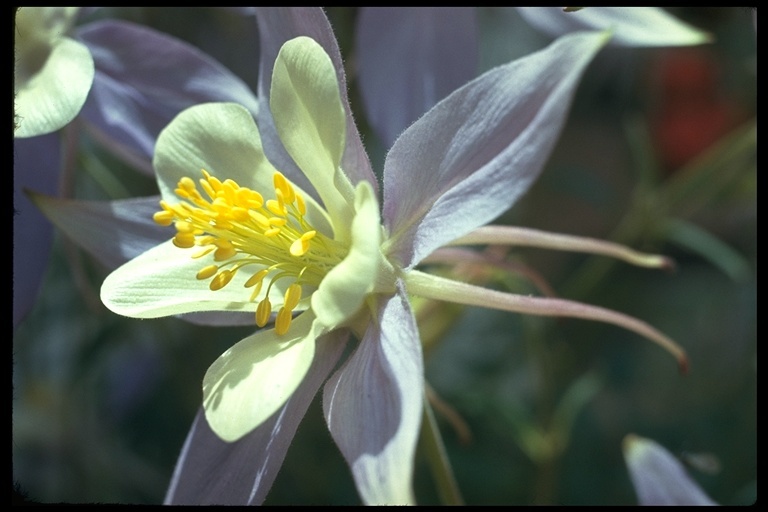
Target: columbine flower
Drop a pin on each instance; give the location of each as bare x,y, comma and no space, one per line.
52,72
250,239
138,78
52,76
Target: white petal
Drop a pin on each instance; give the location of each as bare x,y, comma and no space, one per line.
631,26
213,471
162,282
53,73
253,379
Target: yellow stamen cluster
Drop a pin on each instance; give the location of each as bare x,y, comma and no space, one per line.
241,229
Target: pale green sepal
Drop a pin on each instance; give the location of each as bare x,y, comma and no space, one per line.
254,378
364,270
53,73
223,139
633,26
162,282
311,123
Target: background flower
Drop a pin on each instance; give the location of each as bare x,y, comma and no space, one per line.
124,82
52,72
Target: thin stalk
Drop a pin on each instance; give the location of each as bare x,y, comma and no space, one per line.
440,288
432,444
525,237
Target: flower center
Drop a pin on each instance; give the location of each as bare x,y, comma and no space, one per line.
271,238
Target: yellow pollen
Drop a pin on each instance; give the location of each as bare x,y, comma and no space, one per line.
184,240
283,320
163,218
221,280
206,272
263,310
237,231
292,296
256,278
301,246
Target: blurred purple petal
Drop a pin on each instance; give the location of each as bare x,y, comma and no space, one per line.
409,58
212,471
373,404
658,477
472,156
114,232
143,79
36,166
276,26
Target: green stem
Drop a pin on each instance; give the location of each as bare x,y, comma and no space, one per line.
432,445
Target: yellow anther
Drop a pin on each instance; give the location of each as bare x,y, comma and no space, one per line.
202,252
221,280
220,205
213,181
183,226
239,213
283,321
261,220
164,218
208,189
301,245
263,310
224,253
292,297
276,208
206,272
284,188
256,278
257,281
187,184
300,205
229,188
184,240
248,198
235,227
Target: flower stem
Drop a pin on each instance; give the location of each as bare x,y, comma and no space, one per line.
440,288
509,235
432,444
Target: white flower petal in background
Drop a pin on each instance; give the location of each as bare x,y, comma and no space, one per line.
53,73
631,26
658,477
